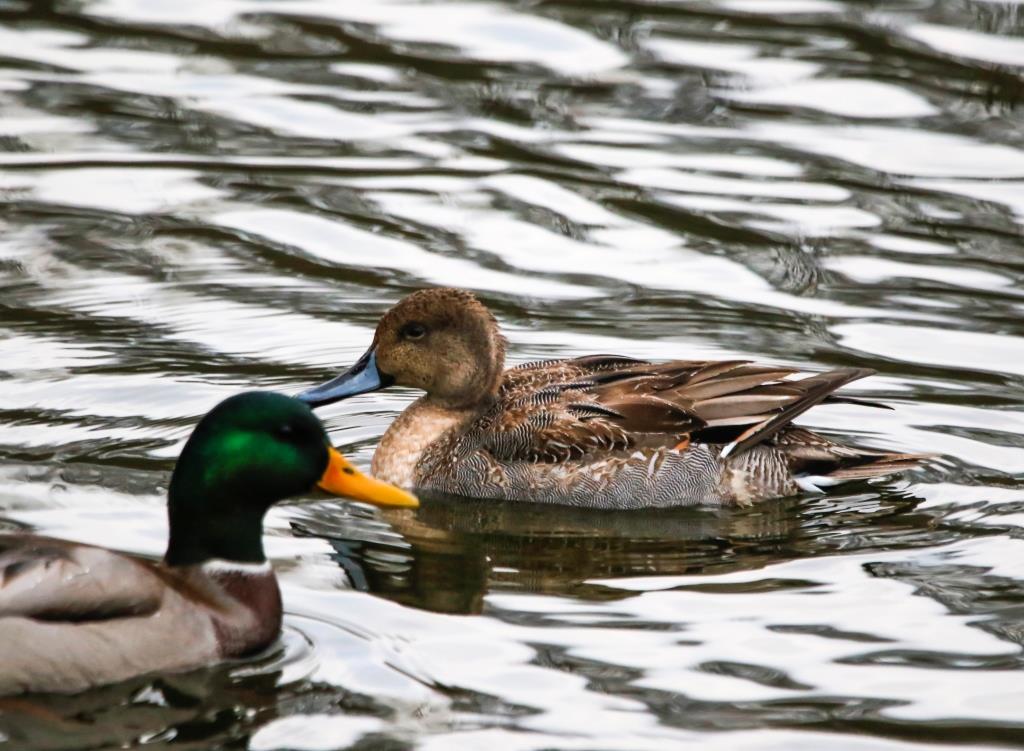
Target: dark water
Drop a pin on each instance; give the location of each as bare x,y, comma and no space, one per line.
203,196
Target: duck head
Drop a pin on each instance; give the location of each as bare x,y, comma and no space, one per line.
442,341
251,451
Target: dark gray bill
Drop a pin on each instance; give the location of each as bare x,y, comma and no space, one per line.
361,378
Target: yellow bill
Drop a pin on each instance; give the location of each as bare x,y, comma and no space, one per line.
341,478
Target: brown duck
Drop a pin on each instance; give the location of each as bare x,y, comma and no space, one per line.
603,431
74,616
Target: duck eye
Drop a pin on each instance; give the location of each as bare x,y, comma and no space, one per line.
285,431
413,331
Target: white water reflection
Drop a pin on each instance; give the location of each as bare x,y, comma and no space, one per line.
743,59
992,48
352,247
846,97
959,349
140,192
896,151
479,30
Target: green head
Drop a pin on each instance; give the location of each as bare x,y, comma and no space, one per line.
251,451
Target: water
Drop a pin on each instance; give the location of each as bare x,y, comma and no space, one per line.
204,197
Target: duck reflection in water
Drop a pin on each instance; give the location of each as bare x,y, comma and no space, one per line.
451,552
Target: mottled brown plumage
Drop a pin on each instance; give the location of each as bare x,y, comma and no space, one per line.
604,430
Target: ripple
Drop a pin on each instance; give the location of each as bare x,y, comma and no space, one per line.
743,59
976,350
848,97
974,45
314,732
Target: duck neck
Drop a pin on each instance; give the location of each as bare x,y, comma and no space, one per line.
470,385
473,402
201,531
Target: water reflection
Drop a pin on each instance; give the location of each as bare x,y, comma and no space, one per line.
451,553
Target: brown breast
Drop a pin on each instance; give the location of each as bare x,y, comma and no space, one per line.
244,604
419,426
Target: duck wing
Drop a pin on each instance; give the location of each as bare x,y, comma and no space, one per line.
54,580
562,409
553,411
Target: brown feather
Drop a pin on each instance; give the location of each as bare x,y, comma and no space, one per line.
817,388
586,405
738,405
644,413
55,580
890,464
734,383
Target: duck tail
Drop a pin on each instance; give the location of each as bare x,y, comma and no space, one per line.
864,466
817,462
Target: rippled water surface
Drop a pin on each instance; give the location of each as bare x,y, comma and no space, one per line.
203,196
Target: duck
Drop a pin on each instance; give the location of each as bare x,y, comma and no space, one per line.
601,431
76,616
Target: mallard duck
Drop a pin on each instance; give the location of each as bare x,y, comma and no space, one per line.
74,616
600,431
